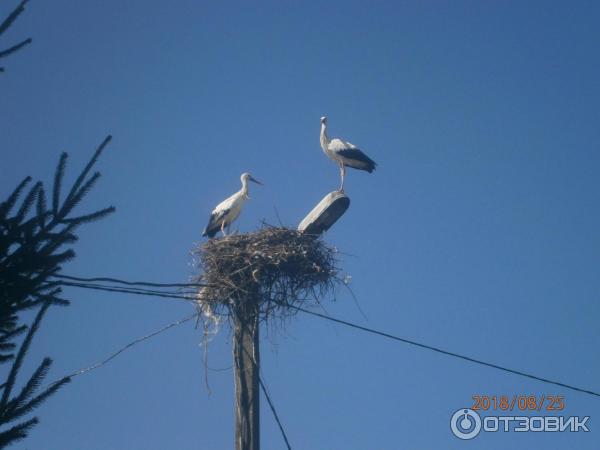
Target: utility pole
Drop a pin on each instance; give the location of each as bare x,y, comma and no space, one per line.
246,366
239,268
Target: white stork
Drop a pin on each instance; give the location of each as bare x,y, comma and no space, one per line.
344,153
228,210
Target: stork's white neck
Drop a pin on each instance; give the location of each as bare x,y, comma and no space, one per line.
244,189
324,138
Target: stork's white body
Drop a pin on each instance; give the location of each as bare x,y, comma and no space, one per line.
228,210
344,153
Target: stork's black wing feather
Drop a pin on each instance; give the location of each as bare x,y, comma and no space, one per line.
214,223
356,159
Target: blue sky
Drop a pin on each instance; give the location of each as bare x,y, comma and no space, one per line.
478,232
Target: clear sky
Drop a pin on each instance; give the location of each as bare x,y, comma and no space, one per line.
477,233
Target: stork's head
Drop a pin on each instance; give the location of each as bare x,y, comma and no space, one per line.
324,120
247,177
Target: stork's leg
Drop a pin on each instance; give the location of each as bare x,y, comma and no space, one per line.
343,173
223,228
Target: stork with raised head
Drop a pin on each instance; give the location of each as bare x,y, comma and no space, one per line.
229,210
344,154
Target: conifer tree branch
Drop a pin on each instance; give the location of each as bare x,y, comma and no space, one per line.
5,25
88,167
42,214
24,209
17,432
30,253
12,376
6,206
15,48
31,386
39,399
72,200
58,177
91,217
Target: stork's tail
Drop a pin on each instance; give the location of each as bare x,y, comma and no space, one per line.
210,233
367,164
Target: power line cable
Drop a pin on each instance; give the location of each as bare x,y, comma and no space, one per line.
129,291
126,347
270,402
266,393
191,298
130,283
137,341
368,330
445,352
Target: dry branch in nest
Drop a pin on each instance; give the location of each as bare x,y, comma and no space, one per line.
273,268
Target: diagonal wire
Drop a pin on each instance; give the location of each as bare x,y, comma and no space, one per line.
266,392
270,402
191,297
126,347
380,333
445,352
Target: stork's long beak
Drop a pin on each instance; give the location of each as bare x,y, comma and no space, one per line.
251,178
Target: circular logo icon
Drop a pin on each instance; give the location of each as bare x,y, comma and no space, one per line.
465,424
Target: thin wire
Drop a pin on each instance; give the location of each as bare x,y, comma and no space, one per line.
126,347
264,389
362,313
128,291
131,283
373,331
445,352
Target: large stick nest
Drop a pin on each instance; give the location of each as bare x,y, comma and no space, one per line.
277,268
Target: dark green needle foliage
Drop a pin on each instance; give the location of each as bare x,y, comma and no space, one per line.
36,238
5,25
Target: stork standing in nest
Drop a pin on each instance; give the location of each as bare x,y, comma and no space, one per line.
344,154
229,210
